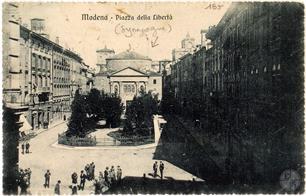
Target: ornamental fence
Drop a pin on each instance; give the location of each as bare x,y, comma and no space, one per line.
94,141
76,141
125,141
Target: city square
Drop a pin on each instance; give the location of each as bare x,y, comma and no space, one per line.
108,98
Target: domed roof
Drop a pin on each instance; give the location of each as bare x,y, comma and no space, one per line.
129,55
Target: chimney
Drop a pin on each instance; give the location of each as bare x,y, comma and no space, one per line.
57,40
38,25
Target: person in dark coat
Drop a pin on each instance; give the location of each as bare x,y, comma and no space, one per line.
74,186
106,177
98,188
82,180
92,172
155,166
74,178
119,173
57,188
87,171
161,169
22,147
74,190
27,147
47,179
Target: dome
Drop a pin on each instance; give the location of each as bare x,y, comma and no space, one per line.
129,55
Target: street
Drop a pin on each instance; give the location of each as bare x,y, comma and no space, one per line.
63,162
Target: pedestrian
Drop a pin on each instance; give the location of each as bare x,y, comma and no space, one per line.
106,176
22,147
100,177
119,173
74,186
22,182
27,147
57,188
112,175
92,172
161,169
47,179
29,175
155,166
74,178
98,187
87,170
82,180
74,189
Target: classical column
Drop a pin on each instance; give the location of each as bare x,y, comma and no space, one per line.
146,86
110,87
120,89
137,86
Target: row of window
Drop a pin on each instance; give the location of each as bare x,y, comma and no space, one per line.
61,86
40,81
41,62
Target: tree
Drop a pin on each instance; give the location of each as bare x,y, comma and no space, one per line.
79,116
95,104
139,114
112,109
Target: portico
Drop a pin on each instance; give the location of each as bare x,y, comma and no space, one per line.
128,83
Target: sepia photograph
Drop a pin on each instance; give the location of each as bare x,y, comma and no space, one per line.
202,97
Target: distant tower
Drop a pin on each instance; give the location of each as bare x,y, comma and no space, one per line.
188,42
204,41
102,55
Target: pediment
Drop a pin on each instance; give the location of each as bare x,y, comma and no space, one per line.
128,72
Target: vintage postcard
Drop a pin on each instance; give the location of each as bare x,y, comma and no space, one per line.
153,97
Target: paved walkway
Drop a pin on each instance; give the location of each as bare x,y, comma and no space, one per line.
63,162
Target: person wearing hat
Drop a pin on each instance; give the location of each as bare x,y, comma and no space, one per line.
82,180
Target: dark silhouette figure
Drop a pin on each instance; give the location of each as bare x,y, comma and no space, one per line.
161,169
47,179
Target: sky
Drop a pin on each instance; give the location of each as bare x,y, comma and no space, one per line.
153,38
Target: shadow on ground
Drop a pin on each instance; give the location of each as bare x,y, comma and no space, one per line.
180,148
137,185
140,185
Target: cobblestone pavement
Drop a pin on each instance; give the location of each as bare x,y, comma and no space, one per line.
63,162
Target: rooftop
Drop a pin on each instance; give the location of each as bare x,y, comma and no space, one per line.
129,55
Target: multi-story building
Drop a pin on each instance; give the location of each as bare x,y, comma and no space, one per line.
40,76
127,74
252,103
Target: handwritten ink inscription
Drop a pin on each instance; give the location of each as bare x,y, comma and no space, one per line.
151,33
214,6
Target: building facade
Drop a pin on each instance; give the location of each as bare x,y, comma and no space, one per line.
127,74
249,102
39,76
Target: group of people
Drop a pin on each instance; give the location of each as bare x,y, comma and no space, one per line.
105,180
24,180
108,178
25,146
161,169
90,171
